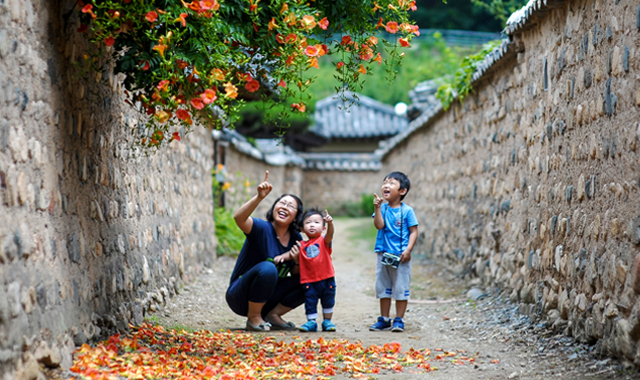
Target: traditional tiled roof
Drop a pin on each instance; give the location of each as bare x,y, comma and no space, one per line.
527,16
274,153
341,161
270,151
337,119
387,145
490,59
278,154
423,98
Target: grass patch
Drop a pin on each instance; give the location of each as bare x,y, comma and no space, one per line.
155,320
152,319
179,327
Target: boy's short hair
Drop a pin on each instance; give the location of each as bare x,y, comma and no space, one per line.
402,178
309,212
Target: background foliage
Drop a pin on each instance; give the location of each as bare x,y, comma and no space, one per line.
459,85
476,15
202,60
498,8
230,191
455,14
362,208
425,59
230,237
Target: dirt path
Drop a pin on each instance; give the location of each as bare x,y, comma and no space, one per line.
503,344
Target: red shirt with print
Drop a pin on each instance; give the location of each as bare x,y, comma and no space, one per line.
315,261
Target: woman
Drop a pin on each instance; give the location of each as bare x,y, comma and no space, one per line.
258,289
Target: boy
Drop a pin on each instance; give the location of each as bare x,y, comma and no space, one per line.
316,269
397,234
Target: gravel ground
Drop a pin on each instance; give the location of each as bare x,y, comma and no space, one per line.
505,344
440,317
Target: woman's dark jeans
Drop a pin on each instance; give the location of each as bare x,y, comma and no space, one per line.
261,284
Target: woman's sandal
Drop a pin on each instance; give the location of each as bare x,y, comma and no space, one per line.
288,326
266,326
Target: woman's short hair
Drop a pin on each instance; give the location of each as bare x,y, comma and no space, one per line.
297,221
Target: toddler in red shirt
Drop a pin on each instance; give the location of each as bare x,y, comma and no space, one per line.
316,269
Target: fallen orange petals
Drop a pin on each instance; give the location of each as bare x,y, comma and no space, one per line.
150,352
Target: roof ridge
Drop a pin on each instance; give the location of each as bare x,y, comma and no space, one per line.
360,99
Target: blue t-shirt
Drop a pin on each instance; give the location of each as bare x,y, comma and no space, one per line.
394,237
261,244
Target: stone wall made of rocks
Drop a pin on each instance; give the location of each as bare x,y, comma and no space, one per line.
338,190
93,232
245,173
532,183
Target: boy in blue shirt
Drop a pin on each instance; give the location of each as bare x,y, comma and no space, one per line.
397,234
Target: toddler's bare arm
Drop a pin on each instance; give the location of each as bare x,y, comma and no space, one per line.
328,237
292,254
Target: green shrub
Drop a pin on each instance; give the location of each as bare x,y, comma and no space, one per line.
364,207
459,85
230,237
352,209
367,204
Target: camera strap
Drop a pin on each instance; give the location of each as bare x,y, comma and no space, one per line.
401,225
401,228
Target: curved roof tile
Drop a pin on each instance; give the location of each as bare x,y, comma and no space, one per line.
342,161
366,118
267,150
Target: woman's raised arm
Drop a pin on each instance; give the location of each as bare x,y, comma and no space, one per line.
243,215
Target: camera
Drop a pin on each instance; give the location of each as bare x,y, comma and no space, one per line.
390,259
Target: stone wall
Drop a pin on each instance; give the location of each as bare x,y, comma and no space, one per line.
245,172
93,233
532,183
333,189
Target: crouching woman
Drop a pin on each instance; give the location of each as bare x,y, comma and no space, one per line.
258,289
